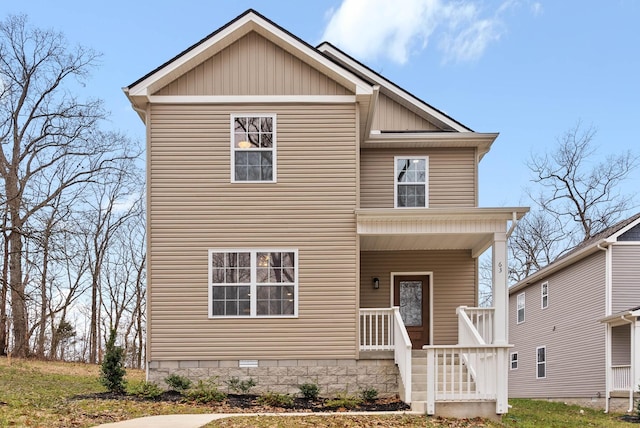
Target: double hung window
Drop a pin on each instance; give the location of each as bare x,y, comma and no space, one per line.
253,283
544,291
520,308
411,177
541,362
514,360
253,148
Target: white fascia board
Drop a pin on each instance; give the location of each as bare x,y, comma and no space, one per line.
393,88
252,99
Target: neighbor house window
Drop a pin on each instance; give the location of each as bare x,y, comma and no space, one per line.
541,362
545,294
253,148
411,177
514,361
520,308
253,283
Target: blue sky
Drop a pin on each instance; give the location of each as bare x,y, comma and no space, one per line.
527,69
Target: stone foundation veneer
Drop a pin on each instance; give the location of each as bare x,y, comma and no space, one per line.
284,376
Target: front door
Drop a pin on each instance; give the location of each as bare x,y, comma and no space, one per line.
411,294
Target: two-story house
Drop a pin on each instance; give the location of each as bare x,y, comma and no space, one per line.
311,221
575,324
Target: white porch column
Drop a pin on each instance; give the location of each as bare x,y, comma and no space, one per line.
500,292
635,354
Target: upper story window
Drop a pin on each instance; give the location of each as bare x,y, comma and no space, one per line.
520,308
253,283
411,181
253,148
544,291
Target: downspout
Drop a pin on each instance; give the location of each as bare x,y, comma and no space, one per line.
607,333
632,365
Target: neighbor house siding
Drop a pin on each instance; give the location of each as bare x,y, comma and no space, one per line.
391,116
195,207
621,345
452,177
569,328
253,66
454,279
625,292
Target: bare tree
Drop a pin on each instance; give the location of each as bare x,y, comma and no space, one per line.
45,130
577,191
577,197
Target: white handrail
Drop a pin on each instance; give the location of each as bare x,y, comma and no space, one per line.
376,329
620,377
402,352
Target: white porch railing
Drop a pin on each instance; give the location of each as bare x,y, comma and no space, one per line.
465,373
481,319
382,329
620,378
376,329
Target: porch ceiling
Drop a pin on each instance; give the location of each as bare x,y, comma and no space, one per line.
433,228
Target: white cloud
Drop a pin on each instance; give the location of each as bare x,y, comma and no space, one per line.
395,29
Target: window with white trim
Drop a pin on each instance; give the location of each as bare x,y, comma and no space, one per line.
541,362
544,291
253,283
514,360
253,148
520,308
411,181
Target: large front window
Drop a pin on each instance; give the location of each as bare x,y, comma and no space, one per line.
253,146
253,283
411,176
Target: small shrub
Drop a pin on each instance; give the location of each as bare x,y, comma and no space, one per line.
178,383
309,390
343,401
144,389
112,370
274,399
368,394
205,392
236,385
638,408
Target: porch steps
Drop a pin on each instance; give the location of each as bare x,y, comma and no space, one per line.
419,377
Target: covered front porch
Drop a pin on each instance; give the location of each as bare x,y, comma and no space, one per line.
622,356
419,298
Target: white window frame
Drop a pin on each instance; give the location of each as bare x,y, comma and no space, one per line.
396,183
513,360
272,149
541,363
544,295
253,284
520,306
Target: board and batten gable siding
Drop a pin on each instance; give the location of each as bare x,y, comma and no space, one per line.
625,277
454,283
253,65
194,207
570,330
452,177
392,116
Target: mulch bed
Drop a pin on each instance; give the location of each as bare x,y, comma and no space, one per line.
243,403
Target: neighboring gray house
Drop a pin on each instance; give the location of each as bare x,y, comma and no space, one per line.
575,324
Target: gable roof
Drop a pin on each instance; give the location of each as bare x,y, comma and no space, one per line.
394,91
139,91
582,250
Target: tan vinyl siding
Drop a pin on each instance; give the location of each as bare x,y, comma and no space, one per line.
391,116
194,207
625,293
621,345
454,283
253,66
452,177
570,330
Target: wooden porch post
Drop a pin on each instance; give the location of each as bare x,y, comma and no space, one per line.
500,294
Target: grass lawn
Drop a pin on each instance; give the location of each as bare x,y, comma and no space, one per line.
49,394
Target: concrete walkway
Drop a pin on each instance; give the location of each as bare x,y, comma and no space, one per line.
196,421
